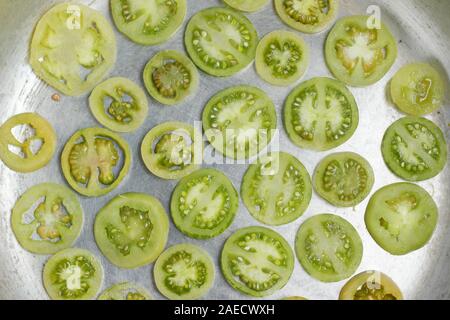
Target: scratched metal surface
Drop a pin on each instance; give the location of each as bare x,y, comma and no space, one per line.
422,27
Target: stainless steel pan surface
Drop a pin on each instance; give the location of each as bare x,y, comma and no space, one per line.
422,30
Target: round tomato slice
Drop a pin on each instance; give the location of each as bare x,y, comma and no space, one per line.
73,274
257,261
282,57
247,5
148,22
221,41
295,298
95,161
371,285
73,48
401,218
170,77
309,16
328,247
119,104
184,272
357,55
126,291
320,114
418,89
414,149
27,142
240,121
132,230
204,204
47,218
344,179
277,189
172,150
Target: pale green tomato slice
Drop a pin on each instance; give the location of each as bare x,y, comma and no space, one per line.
184,272
170,77
73,274
247,5
95,161
119,104
47,218
126,291
132,230
73,48
418,89
277,189
27,142
148,22
282,58
172,150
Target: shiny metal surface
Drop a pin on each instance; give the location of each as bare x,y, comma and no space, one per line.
422,30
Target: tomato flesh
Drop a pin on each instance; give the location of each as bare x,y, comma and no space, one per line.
126,291
247,5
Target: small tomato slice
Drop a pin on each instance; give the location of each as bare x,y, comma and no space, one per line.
418,89
221,41
47,218
282,57
170,77
277,189
148,22
126,291
95,161
257,261
247,5
320,114
73,274
414,149
132,230
27,142
309,16
204,204
184,272
73,48
119,104
172,150
370,285
358,55
328,247
401,218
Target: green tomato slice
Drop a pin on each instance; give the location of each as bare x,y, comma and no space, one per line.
344,179
221,41
309,16
401,218
170,77
257,261
320,114
277,189
184,272
418,89
414,149
148,22
240,121
126,291
371,285
282,58
247,5
172,150
73,274
119,104
95,161
73,48
47,218
328,247
357,55
27,142
204,204
132,230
